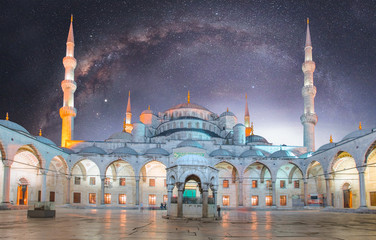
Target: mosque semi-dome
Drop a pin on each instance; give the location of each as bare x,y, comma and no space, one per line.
191,159
124,150
283,154
221,153
45,140
256,139
13,126
252,153
157,151
93,150
190,143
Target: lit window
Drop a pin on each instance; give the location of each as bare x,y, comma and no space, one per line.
122,198
165,198
107,181
268,200
282,184
77,180
296,184
226,200
254,183
122,181
152,199
151,182
92,198
225,184
268,184
92,180
254,200
282,200
107,198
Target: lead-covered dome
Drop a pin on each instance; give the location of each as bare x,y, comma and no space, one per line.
326,147
188,105
93,150
221,153
13,126
227,113
252,153
120,136
124,151
45,140
283,154
256,139
157,151
190,143
357,134
192,159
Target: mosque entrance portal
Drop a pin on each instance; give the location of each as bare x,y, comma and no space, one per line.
22,195
347,196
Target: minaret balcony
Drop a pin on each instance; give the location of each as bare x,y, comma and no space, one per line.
309,118
308,66
309,90
69,62
68,85
67,111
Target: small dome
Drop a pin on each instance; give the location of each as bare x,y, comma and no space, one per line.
67,150
121,136
283,154
147,111
252,153
306,155
45,140
13,126
227,114
221,153
192,159
239,125
357,133
125,150
93,149
157,151
256,139
326,147
189,143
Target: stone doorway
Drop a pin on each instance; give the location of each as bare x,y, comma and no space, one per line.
347,196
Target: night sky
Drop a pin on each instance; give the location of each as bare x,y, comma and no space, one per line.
219,50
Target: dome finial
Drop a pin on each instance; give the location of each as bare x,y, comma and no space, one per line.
40,132
189,97
7,117
360,125
148,107
124,125
331,138
252,133
307,20
227,109
71,17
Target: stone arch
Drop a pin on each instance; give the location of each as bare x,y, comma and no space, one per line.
83,169
2,152
60,159
115,172
263,170
196,172
235,171
315,178
370,150
32,149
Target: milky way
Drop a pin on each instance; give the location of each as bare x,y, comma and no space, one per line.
219,50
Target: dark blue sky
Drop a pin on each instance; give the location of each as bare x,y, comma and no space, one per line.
219,50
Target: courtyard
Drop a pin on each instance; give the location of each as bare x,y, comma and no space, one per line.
135,224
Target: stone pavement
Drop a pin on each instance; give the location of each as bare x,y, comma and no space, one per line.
134,224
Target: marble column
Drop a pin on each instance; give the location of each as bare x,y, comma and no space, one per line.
274,194
328,193
67,200
305,192
6,182
44,186
362,189
170,188
137,190
180,199
204,201
215,194
102,190
240,193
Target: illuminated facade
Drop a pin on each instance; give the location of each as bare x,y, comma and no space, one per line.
186,155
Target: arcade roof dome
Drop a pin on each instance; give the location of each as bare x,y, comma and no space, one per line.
283,154
221,153
189,143
157,151
356,134
125,150
93,150
13,126
191,159
45,140
326,147
252,153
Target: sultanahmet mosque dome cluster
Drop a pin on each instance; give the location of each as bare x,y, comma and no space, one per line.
188,157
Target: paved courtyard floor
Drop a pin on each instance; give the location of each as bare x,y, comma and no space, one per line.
134,224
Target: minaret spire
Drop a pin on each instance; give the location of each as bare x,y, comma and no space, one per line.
69,86
309,117
247,125
128,116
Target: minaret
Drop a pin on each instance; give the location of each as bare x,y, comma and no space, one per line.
68,112
248,129
128,116
309,117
